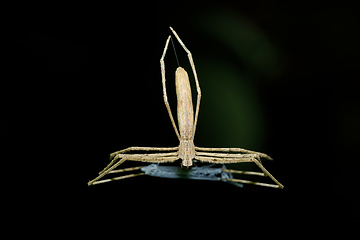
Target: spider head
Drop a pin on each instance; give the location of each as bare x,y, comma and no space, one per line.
186,164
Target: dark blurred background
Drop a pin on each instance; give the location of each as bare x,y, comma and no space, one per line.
276,78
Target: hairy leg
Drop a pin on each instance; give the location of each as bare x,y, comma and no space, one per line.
229,150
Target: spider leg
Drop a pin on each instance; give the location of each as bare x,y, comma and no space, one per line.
121,177
151,157
247,181
112,155
107,169
252,182
244,172
227,155
226,160
118,178
162,66
267,172
126,169
241,150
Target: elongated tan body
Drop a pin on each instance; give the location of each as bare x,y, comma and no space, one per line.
185,111
185,108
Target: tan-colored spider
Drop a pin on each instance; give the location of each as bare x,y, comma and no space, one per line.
186,151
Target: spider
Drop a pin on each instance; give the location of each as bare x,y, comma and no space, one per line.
186,151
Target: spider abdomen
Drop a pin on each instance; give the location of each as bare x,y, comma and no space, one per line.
185,109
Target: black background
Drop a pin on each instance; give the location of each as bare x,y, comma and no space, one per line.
85,81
